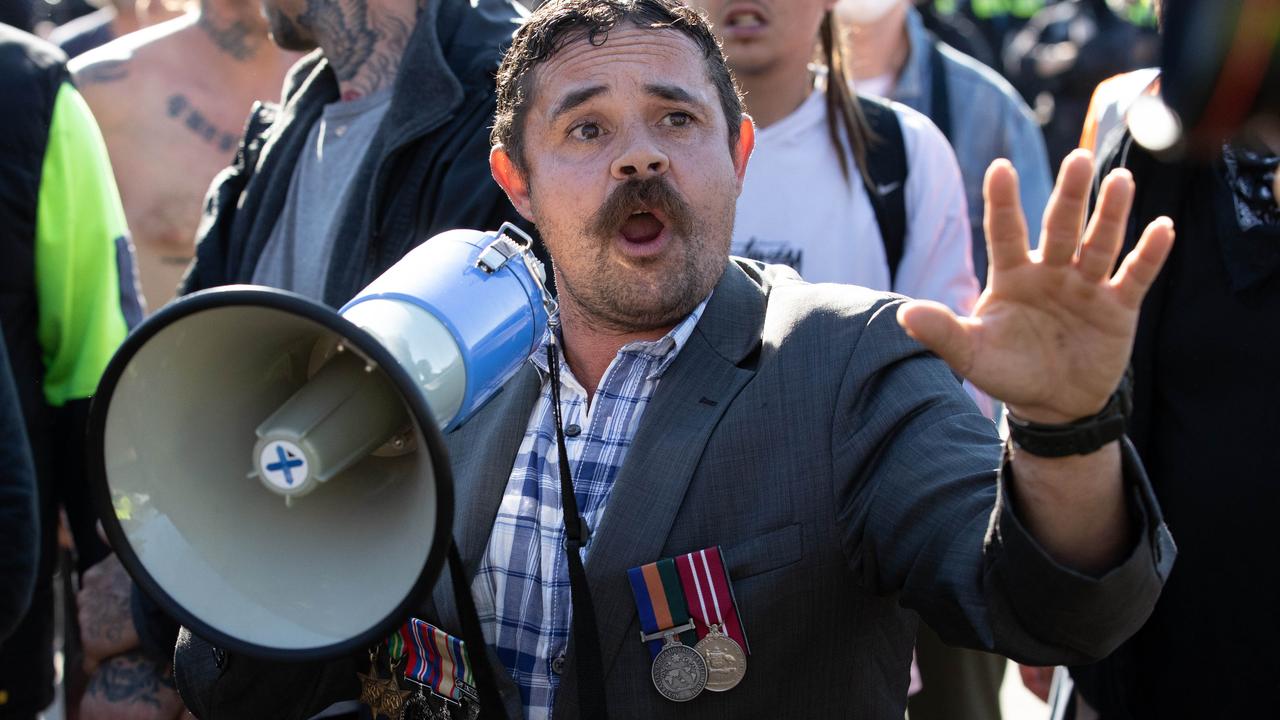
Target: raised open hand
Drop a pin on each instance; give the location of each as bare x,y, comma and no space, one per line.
1053,332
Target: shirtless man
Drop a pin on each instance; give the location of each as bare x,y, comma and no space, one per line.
172,101
114,19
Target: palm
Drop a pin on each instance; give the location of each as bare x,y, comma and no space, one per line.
1052,334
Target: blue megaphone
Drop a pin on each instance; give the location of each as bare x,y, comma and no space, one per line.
273,473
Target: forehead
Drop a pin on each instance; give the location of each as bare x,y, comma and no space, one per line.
629,58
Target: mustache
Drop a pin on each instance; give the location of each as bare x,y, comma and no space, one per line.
650,194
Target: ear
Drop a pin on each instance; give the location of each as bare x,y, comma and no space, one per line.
742,151
512,181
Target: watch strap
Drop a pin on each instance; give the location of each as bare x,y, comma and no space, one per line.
1080,437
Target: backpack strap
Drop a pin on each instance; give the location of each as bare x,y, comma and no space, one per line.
887,167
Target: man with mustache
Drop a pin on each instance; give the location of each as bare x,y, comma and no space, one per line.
692,400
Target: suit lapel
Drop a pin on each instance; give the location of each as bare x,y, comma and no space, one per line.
650,488
480,476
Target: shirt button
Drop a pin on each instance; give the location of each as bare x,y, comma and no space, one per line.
557,665
573,431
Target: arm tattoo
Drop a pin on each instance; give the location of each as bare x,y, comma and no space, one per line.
180,109
130,678
236,39
105,71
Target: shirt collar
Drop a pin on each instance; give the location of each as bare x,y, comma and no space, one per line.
664,349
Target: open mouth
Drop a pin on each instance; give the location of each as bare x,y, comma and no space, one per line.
642,227
743,21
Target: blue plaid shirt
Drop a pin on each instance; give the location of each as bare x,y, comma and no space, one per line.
522,587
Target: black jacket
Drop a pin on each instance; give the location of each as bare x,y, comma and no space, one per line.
1205,423
426,171
19,523
31,73
84,248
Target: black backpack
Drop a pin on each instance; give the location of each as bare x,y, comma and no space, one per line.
887,166
887,160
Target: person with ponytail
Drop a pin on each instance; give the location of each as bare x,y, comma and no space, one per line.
889,53
808,200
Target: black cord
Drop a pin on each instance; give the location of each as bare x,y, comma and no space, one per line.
586,637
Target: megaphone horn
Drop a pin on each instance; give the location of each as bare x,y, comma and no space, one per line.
273,473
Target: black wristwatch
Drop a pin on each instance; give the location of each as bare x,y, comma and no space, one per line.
1079,437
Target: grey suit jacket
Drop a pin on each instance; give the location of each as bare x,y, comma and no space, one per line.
851,484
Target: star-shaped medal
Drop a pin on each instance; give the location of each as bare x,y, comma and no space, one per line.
392,699
371,689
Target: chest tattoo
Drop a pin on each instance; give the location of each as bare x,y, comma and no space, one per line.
181,110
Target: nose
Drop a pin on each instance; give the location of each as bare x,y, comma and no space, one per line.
641,160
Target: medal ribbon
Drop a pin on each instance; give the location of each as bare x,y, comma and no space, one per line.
435,659
711,601
660,601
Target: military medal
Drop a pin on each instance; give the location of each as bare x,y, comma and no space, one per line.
714,610
470,702
439,708
417,707
726,662
438,664
371,685
392,701
679,672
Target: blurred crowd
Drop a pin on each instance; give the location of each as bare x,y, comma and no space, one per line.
131,130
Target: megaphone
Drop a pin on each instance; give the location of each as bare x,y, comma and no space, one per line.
272,472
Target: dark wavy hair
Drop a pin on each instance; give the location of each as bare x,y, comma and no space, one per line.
557,23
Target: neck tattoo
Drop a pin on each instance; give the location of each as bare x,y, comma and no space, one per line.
236,38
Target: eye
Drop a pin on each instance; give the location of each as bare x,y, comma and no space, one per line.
678,119
586,131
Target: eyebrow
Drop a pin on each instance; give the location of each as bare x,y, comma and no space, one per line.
673,93
575,99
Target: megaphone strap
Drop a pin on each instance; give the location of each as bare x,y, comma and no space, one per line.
586,636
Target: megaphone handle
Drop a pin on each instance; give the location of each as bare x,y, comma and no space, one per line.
486,681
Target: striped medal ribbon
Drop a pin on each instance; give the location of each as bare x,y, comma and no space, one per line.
434,659
722,639
679,672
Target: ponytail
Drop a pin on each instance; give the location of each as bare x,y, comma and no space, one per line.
843,111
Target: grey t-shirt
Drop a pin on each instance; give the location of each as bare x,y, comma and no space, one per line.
297,254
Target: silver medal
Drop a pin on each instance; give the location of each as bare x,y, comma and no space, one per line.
679,672
726,663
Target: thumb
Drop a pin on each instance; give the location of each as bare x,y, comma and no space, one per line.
937,328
